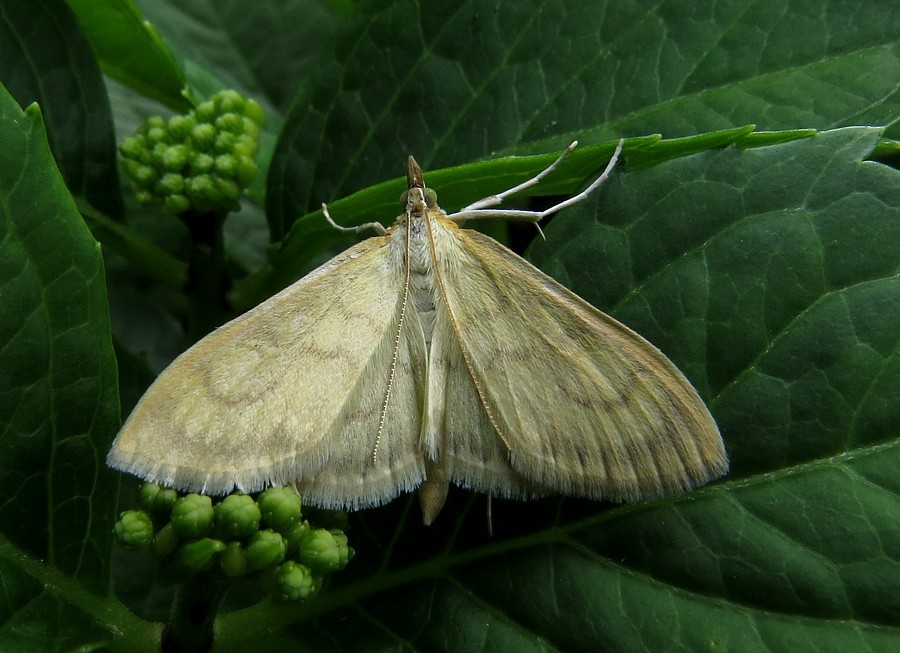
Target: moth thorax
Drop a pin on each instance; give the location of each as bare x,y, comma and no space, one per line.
421,277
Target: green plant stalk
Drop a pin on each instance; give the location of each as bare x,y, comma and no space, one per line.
128,632
190,627
207,282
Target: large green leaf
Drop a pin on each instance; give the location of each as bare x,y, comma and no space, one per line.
770,276
59,404
454,82
129,49
265,48
44,58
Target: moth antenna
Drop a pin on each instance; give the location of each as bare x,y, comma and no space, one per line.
607,171
477,210
493,200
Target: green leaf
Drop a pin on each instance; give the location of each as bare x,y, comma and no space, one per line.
747,268
460,81
59,404
262,49
766,269
47,60
130,50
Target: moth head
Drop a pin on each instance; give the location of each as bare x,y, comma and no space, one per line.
429,195
416,182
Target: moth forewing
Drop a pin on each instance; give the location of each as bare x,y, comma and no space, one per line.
375,452
573,401
291,391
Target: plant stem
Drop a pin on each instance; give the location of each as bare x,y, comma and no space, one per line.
190,627
208,283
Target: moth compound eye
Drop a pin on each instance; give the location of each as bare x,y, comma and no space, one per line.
404,197
430,198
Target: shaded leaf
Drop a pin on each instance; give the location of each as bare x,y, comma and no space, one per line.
458,82
769,274
741,266
263,48
59,404
47,60
129,50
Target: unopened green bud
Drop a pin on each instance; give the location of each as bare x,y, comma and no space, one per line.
176,203
233,559
229,100
226,166
246,171
131,167
145,176
201,186
192,515
201,163
219,137
132,146
154,122
280,508
237,516
165,541
324,551
254,111
157,135
225,142
170,184
294,536
156,498
245,145
146,156
134,529
265,549
203,193
251,128
175,157
203,135
230,122
294,582
180,126
228,189
199,555
159,151
206,111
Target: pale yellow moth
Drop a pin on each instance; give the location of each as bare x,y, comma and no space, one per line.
426,355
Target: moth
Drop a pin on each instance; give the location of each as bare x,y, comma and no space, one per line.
426,355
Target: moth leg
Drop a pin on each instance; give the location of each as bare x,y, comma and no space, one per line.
377,226
469,213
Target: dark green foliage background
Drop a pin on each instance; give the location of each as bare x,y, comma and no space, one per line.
764,263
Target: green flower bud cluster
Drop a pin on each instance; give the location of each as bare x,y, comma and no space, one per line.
236,536
201,161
